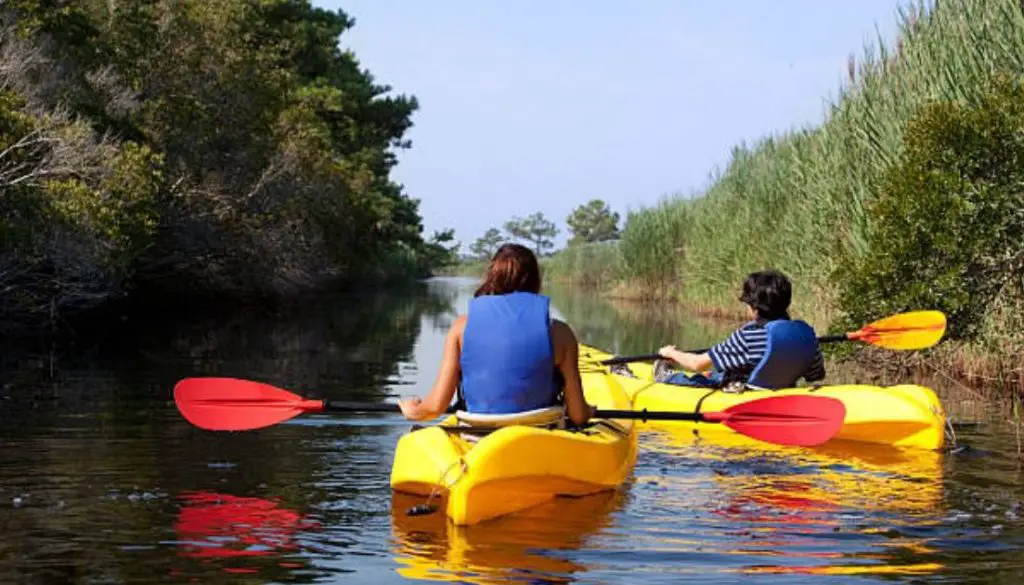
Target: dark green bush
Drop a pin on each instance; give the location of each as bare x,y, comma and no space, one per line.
946,230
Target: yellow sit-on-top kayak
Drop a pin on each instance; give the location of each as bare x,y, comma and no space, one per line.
515,467
902,416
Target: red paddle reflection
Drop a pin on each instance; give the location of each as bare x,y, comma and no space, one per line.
221,525
785,502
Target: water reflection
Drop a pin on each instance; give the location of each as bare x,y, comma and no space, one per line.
623,327
529,547
841,508
101,481
211,524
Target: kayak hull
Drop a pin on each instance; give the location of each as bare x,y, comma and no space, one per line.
903,416
516,467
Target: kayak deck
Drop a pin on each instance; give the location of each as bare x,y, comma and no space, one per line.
517,467
903,416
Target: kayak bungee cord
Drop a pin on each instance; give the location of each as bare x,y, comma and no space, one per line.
428,508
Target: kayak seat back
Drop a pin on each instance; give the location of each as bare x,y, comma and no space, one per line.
537,417
549,417
789,352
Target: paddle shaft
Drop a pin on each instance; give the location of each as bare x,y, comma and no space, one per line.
642,415
646,415
346,406
646,357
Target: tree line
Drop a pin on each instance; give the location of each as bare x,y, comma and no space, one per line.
173,147
593,221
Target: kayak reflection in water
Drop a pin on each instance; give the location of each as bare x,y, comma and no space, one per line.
771,351
507,355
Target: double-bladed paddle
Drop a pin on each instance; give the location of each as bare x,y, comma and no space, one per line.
913,330
231,404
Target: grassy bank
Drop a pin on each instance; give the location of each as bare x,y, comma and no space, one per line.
595,265
890,204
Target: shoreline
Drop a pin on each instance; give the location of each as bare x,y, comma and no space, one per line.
968,372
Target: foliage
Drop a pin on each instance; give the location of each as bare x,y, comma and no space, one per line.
486,245
535,229
947,228
439,252
593,221
77,212
188,146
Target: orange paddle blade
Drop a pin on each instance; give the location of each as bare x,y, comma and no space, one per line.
913,330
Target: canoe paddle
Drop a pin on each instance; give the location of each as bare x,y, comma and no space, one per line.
231,404
913,330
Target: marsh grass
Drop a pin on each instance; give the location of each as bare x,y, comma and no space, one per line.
796,200
597,264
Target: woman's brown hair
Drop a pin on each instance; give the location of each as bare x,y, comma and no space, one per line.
513,268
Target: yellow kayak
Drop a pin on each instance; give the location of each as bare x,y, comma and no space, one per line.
517,467
903,416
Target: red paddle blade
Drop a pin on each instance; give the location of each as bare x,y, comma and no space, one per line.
231,404
785,420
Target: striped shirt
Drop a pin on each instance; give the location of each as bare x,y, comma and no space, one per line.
737,356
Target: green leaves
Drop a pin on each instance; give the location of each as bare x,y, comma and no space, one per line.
535,229
593,222
947,227
229,145
486,245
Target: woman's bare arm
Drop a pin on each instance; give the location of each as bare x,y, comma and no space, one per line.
567,361
440,396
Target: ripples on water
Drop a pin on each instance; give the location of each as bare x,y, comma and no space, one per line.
102,482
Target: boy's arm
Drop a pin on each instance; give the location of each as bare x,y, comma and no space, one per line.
727,356
695,362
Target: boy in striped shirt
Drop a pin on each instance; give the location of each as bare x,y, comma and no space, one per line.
767,295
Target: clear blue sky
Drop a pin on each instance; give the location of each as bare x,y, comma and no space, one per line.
542,105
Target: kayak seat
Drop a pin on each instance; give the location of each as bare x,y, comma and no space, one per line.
538,417
548,417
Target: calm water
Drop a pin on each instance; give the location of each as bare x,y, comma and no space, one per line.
101,481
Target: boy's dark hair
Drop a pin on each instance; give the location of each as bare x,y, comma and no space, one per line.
769,293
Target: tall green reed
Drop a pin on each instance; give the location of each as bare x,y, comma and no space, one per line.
796,201
595,264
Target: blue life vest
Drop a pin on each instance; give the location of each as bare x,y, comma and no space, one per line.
507,356
792,346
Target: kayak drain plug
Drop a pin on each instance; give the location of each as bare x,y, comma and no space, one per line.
421,510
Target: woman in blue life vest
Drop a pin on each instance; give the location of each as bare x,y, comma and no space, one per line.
507,352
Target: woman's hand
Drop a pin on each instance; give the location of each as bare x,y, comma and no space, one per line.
411,408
